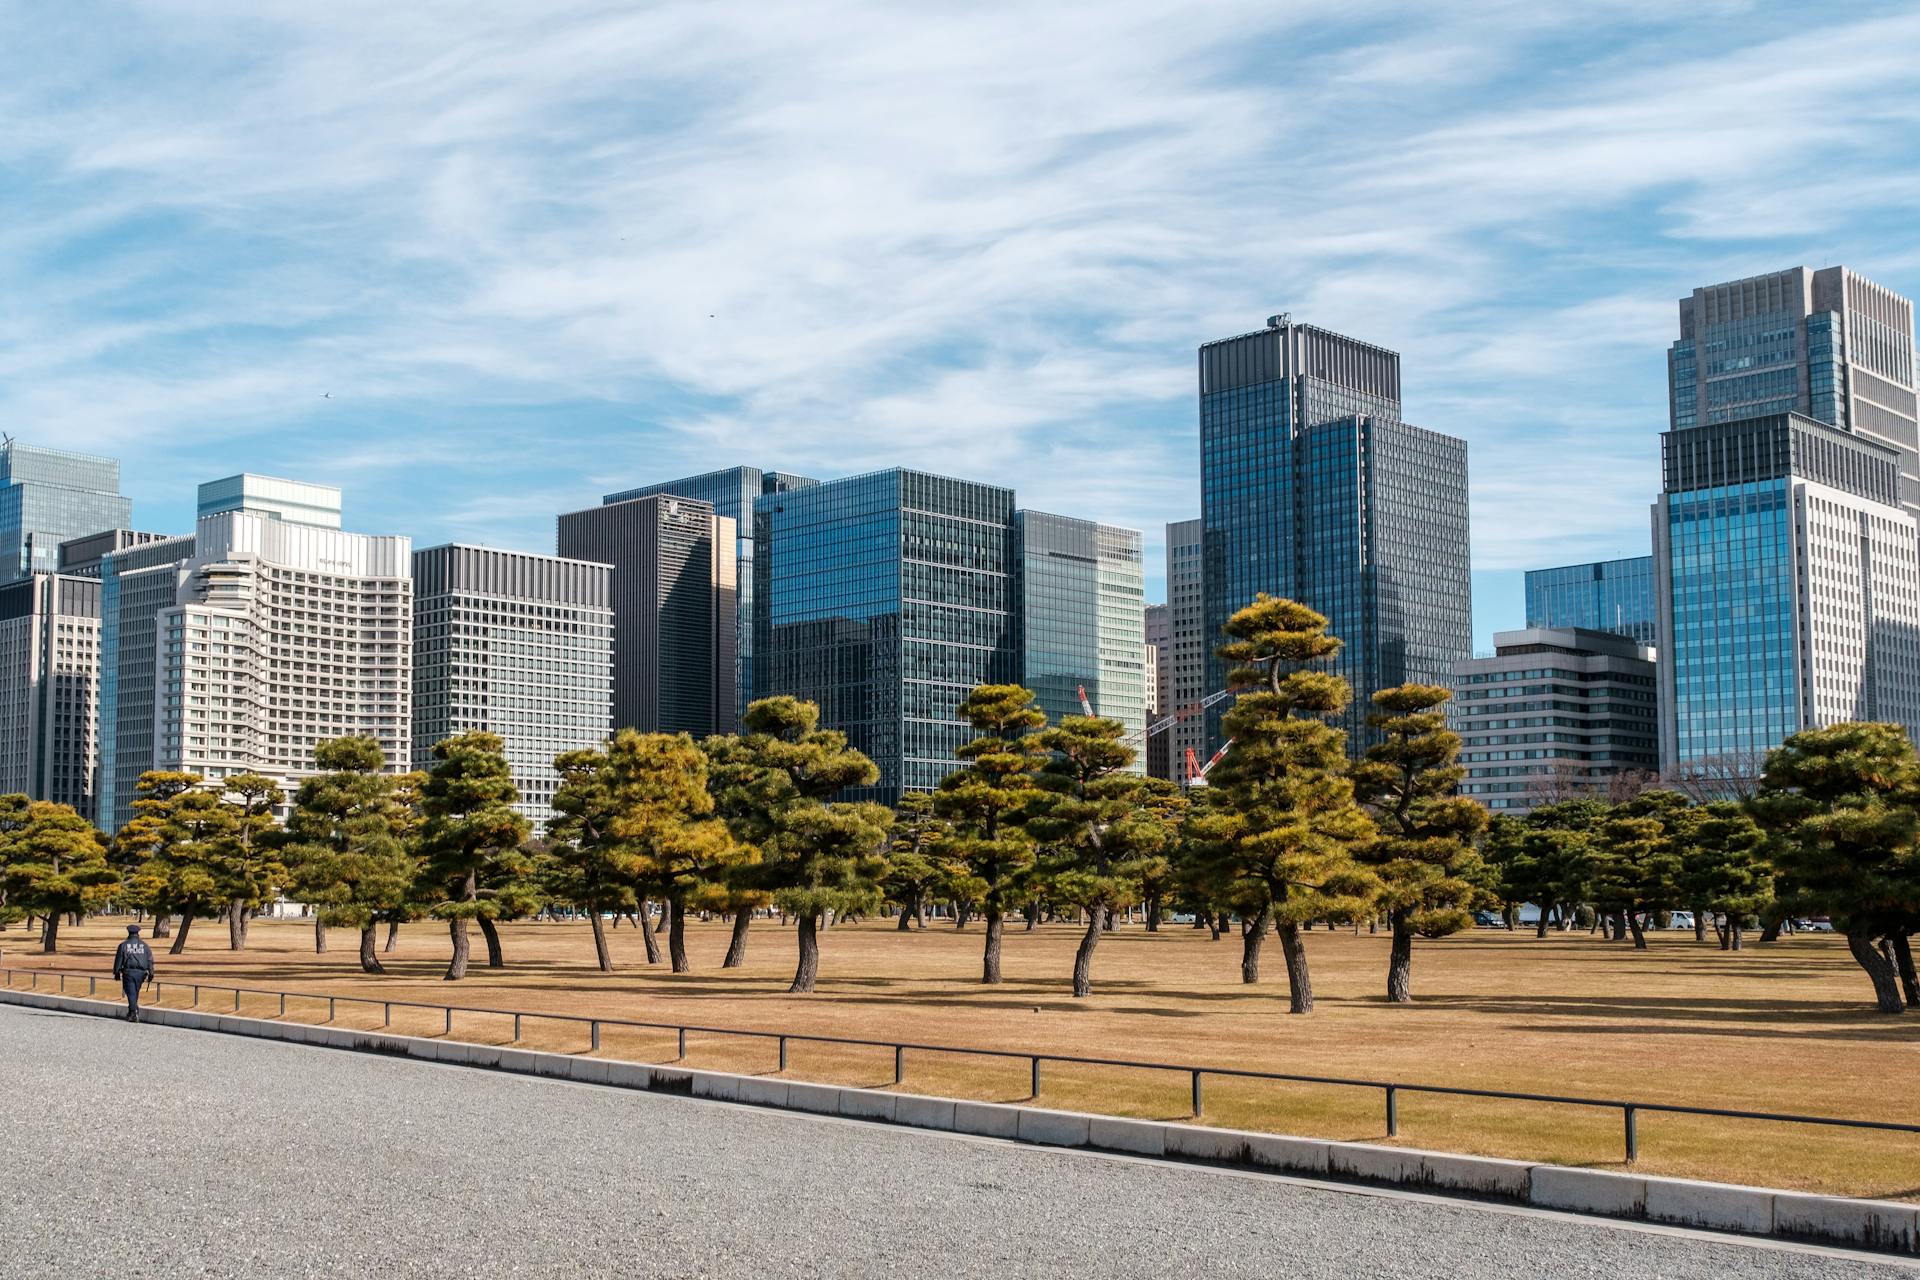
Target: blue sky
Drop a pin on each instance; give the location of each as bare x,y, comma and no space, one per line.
536,253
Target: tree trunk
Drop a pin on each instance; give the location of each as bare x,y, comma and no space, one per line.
1215,923
1400,963
319,935
808,970
1540,925
162,925
1153,915
491,932
393,937
180,938
50,936
236,925
990,963
1770,925
1299,982
601,955
737,944
369,960
1083,956
1639,931
906,920
1723,930
677,933
1699,924
457,967
1886,981
1253,936
1733,928
1903,961
643,920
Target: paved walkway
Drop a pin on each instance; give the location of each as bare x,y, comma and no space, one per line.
142,1150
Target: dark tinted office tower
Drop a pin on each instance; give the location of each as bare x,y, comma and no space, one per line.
136,583
732,493
674,610
1312,488
1788,587
885,599
1828,344
1079,618
49,688
1607,595
1159,748
48,497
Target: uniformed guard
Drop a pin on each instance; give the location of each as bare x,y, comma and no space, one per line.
133,965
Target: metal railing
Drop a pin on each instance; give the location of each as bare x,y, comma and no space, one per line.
1630,1111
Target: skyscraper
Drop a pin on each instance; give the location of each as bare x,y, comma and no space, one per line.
674,613
1789,587
1829,344
49,688
48,496
1186,665
1607,595
136,582
1313,488
275,498
731,493
518,645
1079,610
885,599
1159,618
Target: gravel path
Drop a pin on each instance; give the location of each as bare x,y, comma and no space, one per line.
131,1151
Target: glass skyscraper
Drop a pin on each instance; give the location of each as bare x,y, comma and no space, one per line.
1080,610
1606,595
47,497
732,493
884,599
1313,488
1789,591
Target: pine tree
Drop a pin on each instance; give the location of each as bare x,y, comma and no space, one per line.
1424,855
472,838
1288,825
348,842
1541,857
169,846
919,865
587,865
52,864
985,802
1724,869
1843,804
243,862
1633,868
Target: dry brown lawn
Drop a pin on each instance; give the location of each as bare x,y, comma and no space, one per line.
1781,1027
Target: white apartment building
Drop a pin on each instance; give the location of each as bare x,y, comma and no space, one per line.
49,688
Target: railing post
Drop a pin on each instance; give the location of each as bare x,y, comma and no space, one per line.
596,1036
34,982
196,997
93,986
236,999
1393,1112
783,1053
516,1028
449,1026
63,984
1633,1133
1199,1101
1035,1087
683,1046
386,1013
329,1008
899,1063
283,1004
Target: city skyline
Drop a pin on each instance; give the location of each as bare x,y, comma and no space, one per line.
438,294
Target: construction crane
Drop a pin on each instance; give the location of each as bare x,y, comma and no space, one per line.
1086,708
1183,713
1197,772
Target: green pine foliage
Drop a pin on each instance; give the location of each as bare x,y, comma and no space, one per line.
170,846
349,842
475,866
52,863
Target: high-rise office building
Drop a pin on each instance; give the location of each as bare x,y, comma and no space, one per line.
1186,665
1080,618
1607,595
1829,344
1313,488
518,645
1789,587
1553,715
731,493
275,498
49,688
136,582
1159,620
48,496
674,612
86,556
885,599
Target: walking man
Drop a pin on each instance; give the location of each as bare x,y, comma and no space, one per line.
133,965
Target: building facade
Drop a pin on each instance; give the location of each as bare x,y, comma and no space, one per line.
518,645
136,582
885,599
49,688
1828,344
1080,618
47,497
1607,595
732,493
297,501
1313,488
1187,665
674,587
1789,588
1554,714
1159,620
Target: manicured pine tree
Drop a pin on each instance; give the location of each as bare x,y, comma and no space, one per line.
586,864
347,842
1724,870
1287,825
1633,868
986,802
52,864
919,865
169,844
1424,854
1099,826
472,841
1843,805
244,862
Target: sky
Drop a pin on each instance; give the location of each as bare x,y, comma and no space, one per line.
481,263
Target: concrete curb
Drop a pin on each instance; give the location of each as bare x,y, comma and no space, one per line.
1882,1225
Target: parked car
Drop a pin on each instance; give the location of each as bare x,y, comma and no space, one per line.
1680,920
1488,920
1819,924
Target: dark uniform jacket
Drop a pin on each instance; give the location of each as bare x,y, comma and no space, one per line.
134,958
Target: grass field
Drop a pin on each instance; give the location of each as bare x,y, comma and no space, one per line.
1782,1027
